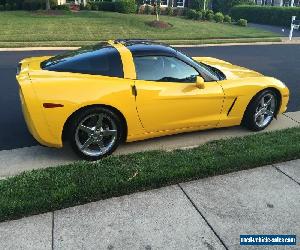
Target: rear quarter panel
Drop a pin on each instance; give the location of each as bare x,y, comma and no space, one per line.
76,91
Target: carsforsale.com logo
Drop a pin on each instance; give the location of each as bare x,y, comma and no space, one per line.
267,240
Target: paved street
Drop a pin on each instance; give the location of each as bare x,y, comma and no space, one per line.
281,61
281,31
208,214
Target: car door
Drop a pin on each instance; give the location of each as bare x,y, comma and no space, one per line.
168,98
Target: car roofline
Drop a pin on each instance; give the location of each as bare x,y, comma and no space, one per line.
128,42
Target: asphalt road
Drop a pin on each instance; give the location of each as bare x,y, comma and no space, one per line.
281,31
280,61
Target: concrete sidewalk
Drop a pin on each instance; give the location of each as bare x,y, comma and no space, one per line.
15,161
204,214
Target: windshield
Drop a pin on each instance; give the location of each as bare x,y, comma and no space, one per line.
208,73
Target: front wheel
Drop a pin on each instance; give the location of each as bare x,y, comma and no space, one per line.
261,111
95,133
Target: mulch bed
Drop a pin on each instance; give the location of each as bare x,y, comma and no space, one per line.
159,24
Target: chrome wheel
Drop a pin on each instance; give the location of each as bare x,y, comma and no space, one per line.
96,134
265,110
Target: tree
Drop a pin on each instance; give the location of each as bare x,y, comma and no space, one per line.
157,9
48,5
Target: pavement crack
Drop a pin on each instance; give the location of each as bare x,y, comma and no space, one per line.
291,118
52,232
203,217
280,171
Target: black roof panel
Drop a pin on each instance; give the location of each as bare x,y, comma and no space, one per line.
146,47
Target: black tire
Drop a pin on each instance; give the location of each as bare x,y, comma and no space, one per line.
249,120
86,116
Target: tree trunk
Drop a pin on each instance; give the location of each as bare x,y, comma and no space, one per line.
157,9
47,4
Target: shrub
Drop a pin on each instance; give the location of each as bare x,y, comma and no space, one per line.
169,11
31,5
227,19
209,12
88,6
280,16
149,10
125,6
106,6
138,2
180,11
25,4
10,6
2,7
191,14
198,15
7,6
61,7
209,15
94,5
194,14
219,17
203,14
242,22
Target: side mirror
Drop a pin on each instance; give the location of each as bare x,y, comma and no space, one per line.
200,82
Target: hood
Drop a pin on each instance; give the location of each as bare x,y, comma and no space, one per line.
231,71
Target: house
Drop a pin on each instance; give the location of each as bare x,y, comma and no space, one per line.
278,2
171,3
62,2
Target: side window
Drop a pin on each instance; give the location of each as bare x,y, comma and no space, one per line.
106,62
164,69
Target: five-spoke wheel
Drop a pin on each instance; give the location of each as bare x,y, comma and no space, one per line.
261,110
95,132
264,112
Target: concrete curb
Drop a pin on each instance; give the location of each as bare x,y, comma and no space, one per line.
240,44
15,161
37,48
285,42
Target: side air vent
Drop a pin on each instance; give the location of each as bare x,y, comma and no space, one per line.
231,107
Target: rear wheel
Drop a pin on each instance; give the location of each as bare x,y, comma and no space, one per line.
95,133
261,110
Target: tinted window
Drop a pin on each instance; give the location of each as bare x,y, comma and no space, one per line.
95,60
164,69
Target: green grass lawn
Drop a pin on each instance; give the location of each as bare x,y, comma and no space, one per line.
49,189
88,27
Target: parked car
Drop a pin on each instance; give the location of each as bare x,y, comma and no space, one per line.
127,90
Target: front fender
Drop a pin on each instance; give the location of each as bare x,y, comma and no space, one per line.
241,91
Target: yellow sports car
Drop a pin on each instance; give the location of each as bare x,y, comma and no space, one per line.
128,90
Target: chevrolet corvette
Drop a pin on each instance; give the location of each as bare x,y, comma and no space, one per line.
127,90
